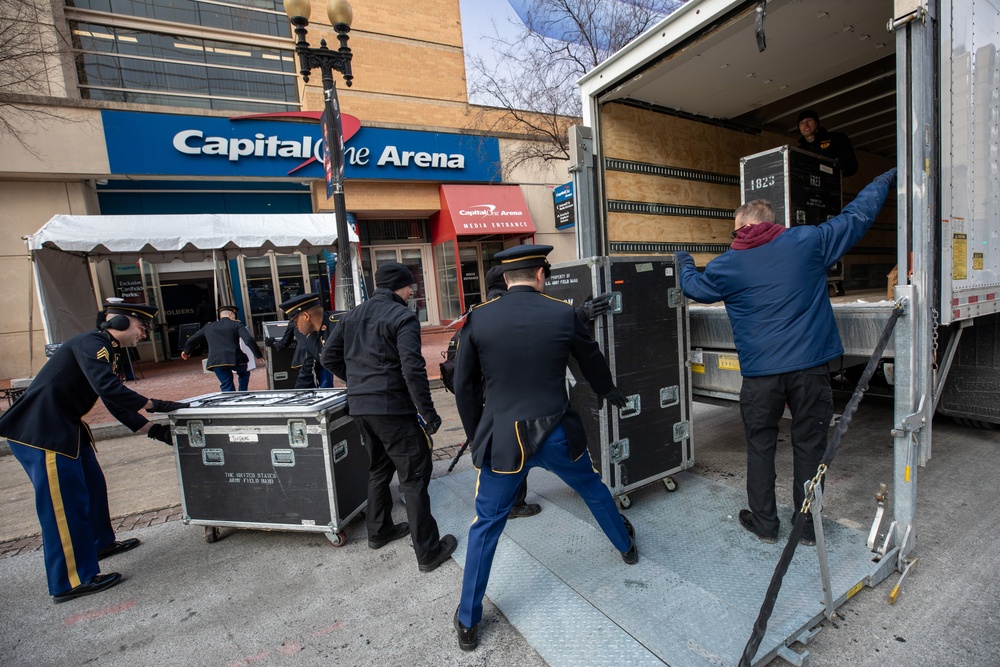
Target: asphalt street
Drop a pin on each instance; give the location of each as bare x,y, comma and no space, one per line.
274,598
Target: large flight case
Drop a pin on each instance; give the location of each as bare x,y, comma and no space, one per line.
803,188
278,460
645,340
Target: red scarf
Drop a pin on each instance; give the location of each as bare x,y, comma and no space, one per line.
753,236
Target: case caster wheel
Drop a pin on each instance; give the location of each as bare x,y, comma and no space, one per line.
337,539
624,502
670,484
211,534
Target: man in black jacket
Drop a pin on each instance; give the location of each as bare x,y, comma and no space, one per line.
834,145
375,348
224,354
510,387
47,435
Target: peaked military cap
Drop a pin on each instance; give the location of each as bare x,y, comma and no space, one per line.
140,311
234,309
297,304
524,257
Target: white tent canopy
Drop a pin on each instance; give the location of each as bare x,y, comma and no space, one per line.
163,238
62,249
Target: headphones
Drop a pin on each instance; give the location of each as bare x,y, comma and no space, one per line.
118,323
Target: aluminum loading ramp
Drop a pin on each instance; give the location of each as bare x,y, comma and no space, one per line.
690,601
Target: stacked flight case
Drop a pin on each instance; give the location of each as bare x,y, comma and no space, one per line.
803,188
278,460
645,340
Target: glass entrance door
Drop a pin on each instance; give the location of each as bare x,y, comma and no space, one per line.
413,259
470,270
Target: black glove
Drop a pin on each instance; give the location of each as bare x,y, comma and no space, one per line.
160,432
432,425
616,398
270,341
165,406
594,308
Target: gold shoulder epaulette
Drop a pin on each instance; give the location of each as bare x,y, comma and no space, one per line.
555,299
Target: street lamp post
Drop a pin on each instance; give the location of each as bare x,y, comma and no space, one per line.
327,60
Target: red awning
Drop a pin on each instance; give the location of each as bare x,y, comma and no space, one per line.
474,210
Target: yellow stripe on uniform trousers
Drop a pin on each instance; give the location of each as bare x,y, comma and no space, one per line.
66,492
62,525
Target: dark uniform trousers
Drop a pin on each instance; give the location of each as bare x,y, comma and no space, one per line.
225,375
71,499
495,493
397,444
809,397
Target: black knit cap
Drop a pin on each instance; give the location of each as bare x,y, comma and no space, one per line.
494,278
393,275
808,113
524,257
140,311
297,304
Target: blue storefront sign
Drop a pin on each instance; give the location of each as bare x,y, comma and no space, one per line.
562,200
170,145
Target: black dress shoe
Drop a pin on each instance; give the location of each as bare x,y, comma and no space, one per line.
631,557
99,583
525,510
447,545
398,531
468,638
118,547
746,520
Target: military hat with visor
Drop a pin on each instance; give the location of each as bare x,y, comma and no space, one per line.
233,309
140,311
297,304
525,256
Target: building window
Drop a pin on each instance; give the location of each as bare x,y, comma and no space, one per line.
125,65
255,17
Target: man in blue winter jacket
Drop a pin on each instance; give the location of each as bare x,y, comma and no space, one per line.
773,283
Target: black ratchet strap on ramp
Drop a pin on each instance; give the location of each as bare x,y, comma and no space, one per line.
760,625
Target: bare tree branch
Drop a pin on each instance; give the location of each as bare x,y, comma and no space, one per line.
529,87
33,54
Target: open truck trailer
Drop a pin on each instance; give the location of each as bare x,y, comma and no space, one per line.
915,85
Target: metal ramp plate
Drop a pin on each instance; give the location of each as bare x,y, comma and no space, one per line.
690,601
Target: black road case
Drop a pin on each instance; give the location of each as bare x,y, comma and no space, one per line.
645,339
803,188
280,374
280,460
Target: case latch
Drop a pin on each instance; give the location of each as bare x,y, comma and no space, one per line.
298,436
196,433
682,431
675,297
619,450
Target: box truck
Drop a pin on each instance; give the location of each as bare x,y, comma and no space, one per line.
916,85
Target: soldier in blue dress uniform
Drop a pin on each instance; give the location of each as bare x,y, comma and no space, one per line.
47,435
224,354
510,388
308,346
